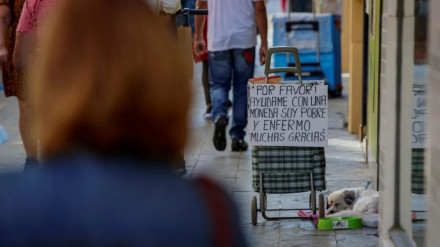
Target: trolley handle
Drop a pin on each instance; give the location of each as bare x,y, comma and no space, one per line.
304,26
187,11
283,49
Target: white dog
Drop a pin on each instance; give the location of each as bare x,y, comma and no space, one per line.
352,202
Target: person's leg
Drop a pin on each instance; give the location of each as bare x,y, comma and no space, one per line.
25,124
205,83
220,75
243,70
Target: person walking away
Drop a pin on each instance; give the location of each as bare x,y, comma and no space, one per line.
33,15
26,44
232,31
205,77
10,11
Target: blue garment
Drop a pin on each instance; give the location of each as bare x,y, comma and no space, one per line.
91,201
236,65
3,135
183,20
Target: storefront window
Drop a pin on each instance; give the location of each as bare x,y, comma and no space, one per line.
419,112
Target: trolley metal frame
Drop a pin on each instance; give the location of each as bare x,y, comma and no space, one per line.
262,207
313,25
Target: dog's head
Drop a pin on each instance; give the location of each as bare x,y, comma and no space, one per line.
340,200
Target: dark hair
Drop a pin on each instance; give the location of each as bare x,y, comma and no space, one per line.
110,78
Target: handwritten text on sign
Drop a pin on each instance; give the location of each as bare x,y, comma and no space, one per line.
418,116
288,115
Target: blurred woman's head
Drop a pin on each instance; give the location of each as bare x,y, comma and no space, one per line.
110,79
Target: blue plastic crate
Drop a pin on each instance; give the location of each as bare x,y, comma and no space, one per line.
330,45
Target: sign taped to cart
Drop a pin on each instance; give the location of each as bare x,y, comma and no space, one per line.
288,114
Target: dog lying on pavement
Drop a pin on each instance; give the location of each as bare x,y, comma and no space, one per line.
352,202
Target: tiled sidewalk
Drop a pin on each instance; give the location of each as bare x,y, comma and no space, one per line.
12,155
345,168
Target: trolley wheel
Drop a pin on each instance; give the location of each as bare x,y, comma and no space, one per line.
313,201
254,210
321,206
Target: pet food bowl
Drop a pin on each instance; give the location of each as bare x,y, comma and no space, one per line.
334,223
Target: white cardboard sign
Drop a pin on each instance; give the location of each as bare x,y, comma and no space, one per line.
288,115
418,116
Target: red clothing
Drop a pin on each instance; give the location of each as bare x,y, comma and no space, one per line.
33,12
283,5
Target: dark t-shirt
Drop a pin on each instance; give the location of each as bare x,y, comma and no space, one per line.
90,201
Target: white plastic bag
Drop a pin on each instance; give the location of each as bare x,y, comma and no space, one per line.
170,6
3,135
167,6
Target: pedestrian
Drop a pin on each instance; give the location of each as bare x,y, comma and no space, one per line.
189,21
205,77
33,15
101,86
232,37
12,79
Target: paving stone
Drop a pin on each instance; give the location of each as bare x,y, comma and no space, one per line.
345,159
244,182
348,171
368,231
190,162
310,241
358,240
243,203
225,183
244,166
10,168
264,241
337,163
363,177
12,155
301,228
418,203
221,159
419,241
263,228
217,167
419,229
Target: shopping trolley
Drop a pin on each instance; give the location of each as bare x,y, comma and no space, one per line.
281,170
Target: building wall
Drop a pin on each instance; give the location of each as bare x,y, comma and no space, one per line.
433,165
373,73
395,155
355,65
345,36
